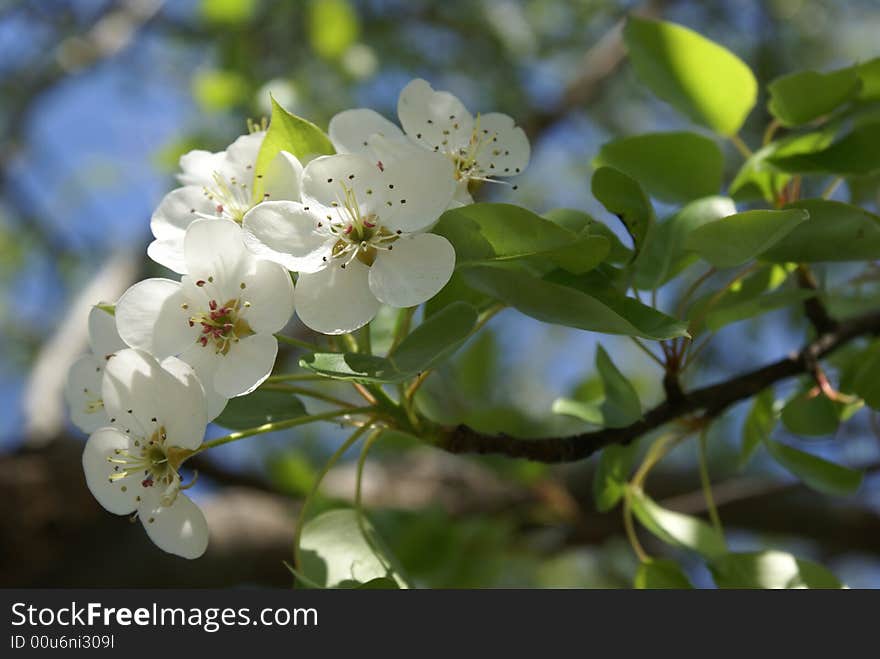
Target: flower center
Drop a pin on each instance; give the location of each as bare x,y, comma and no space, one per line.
222,323
358,235
148,460
231,197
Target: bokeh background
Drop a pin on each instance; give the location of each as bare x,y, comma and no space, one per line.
99,99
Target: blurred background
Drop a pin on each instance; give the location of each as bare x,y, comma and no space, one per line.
99,99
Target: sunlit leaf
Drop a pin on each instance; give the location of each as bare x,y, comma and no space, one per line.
801,97
770,569
677,528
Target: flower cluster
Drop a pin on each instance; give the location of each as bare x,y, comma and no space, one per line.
354,227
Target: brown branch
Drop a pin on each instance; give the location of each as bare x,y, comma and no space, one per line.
814,309
711,400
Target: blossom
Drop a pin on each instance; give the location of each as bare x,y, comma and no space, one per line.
481,148
217,185
156,417
220,318
358,237
83,388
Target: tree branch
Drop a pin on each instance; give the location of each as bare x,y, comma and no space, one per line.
712,400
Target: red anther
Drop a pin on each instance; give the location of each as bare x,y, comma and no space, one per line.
225,311
380,166
369,225
204,341
212,304
200,282
147,482
207,329
215,315
348,229
219,209
191,323
228,326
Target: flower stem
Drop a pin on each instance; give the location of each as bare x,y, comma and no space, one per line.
281,425
832,187
706,483
741,146
401,329
305,345
630,528
309,393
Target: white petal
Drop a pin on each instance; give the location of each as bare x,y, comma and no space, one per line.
178,529
269,291
336,300
182,370
149,316
281,231
102,445
168,253
185,411
104,340
350,130
241,156
462,195
138,394
178,209
82,392
326,179
214,249
414,271
247,364
504,148
198,167
283,178
437,120
419,186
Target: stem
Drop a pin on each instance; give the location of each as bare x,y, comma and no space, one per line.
305,345
695,285
364,340
832,187
309,393
338,453
414,387
404,322
741,146
630,527
772,127
281,425
706,483
648,352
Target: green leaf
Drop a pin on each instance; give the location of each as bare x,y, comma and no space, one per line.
731,310
612,472
333,27
227,12
621,406
835,232
810,415
436,339
587,411
674,167
661,573
820,474
856,153
624,197
561,305
219,90
758,425
869,74
770,569
699,78
581,224
335,553
866,380
287,132
258,408
798,98
379,583
734,240
677,529
665,255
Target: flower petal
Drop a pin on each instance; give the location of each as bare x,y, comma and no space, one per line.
168,253
119,497
178,209
269,291
414,271
350,130
184,405
138,394
179,529
504,148
82,391
437,120
326,179
198,167
283,177
247,364
336,300
418,185
104,340
214,249
149,316
241,156
281,231
182,369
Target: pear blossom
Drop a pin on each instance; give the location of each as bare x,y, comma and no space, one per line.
156,417
217,185
358,237
481,148
220,318
83,387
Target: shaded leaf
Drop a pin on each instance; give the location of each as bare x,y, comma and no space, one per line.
661,573
258,408
815,472
770,569
624,197
800,97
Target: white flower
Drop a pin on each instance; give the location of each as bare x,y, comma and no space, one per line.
481,148
131,465
357,237
217,185
83,387
220,318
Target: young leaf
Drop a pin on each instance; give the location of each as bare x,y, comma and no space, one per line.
820,474
354,367
335,553
624,197
734,240
699,78
798,98
835,232
733,310
770,569
674,167
581,223
661,573
856,153
561,305
260,407
612,471
435,339
758,425
810,415
288,132
677,528
621,406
